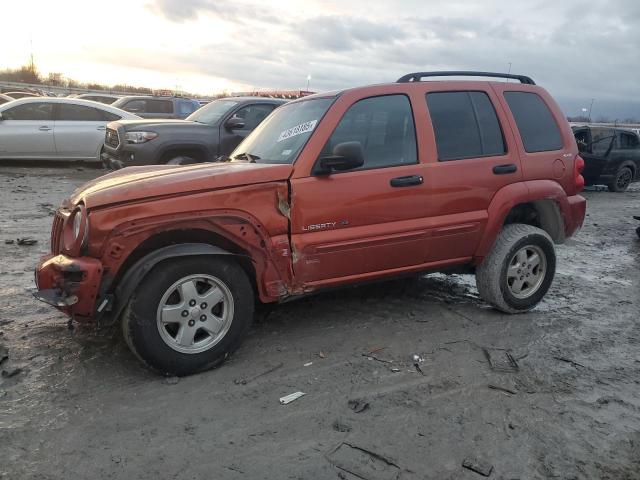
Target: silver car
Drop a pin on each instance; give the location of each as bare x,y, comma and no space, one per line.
47,128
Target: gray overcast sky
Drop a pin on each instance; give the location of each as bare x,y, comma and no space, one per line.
578,50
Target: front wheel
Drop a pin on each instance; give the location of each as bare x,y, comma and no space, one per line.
189,314
519,269
622,180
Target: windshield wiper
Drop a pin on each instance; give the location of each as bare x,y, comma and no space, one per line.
249,157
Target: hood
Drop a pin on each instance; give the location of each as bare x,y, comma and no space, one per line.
142,183
156,122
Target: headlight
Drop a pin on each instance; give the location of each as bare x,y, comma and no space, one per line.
139,137
76,231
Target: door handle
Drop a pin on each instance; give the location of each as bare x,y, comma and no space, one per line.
504,169
406,181
44,128
101,128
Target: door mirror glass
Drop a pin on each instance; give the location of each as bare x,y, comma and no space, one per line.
234,123
346,156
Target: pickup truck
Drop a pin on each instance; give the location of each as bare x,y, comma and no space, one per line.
211,131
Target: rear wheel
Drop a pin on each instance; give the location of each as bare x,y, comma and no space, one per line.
621,181
189,314
519,269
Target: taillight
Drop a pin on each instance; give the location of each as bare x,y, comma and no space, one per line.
578,167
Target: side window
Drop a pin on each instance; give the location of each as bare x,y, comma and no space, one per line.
628,141
135,106
465,125
253,115
70,112
159,106
30,111
602,140
383,126
110,117
537,127
582,140
187,107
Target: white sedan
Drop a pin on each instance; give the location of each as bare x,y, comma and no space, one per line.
49,128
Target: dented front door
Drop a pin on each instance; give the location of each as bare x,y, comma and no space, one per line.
366,220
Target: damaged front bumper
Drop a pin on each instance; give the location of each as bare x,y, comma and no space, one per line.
69,284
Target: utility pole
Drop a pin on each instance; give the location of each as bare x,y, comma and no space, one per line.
308,78
590,107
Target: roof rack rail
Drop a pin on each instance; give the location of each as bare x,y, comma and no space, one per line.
415,77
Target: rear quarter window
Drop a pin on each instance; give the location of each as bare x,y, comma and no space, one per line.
538,129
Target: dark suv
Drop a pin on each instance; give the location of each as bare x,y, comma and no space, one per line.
213,130
332,189
611,156
146,106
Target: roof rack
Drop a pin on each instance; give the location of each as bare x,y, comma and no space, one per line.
415,77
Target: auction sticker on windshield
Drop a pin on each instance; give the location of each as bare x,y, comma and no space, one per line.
298,130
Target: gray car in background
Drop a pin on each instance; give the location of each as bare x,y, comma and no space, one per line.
49,128
213,130
146,106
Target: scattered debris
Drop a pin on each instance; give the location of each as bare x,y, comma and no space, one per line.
363,463
308,364
502,389
395,370
4,354
244,381
376,350
26,241
321,354
501,360
11,373
340,426
9,242
290,398
358,405
417,360
478,466
377,359
568,360
171,380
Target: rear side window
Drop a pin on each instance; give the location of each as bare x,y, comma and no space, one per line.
187,107
465,125
78,113
159,106
110,117
628,141
537,127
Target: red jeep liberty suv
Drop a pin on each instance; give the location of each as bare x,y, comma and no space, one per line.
332,189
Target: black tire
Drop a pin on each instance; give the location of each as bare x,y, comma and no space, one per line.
181,160
492,276
621,182
141,324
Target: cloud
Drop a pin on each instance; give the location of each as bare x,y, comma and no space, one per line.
576,50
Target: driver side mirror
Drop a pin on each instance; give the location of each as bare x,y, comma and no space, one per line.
1,117
346,156
234,123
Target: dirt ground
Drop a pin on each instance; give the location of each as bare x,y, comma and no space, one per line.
77,404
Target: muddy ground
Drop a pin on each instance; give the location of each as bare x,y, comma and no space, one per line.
77,405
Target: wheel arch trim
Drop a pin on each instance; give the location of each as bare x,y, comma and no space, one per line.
139,270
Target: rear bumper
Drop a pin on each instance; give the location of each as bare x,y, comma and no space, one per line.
69,284
574,215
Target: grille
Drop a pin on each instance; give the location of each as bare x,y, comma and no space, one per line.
56,233
111,138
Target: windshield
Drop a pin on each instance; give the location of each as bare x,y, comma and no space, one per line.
212,112
282,135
